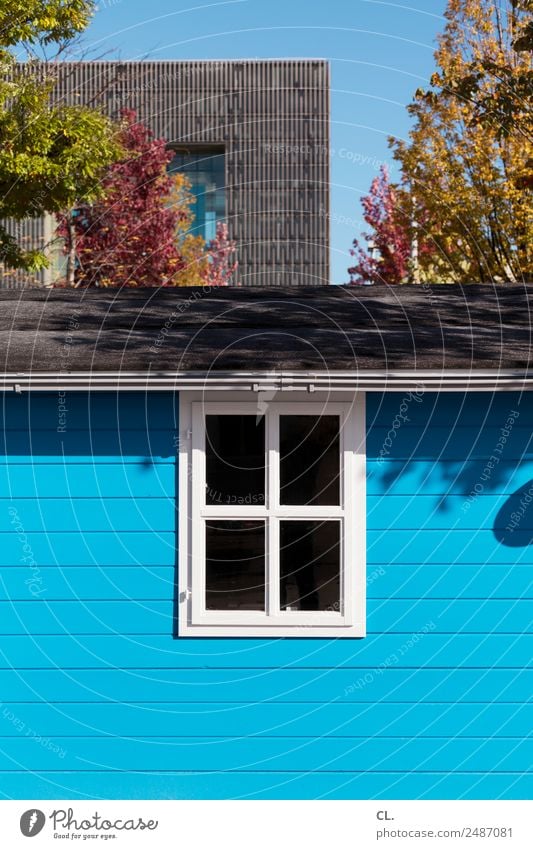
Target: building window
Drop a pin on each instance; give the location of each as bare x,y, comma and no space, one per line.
272,518
205,169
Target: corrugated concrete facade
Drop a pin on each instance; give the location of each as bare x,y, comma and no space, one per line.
271,117
101,699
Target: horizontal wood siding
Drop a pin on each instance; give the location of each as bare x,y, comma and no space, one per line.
100,699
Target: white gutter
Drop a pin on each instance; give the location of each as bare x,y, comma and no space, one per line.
278,381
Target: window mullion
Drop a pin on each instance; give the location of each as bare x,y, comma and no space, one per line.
273,567
272,561
197,530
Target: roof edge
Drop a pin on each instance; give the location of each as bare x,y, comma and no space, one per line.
447,380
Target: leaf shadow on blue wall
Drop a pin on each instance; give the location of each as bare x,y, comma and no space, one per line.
513,525
455,477
464,445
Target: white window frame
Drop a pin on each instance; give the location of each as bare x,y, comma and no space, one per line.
193,618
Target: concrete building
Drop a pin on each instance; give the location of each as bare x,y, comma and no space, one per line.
253,137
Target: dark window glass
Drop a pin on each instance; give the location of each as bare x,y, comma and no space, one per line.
205,170
310,565
235,460
235,565
310,460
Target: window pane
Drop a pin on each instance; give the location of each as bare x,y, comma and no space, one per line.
235,565
235,460
205,170
310,460
310,565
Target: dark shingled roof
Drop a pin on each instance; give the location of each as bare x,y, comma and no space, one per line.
245,329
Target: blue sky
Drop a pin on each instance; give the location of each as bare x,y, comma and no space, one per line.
380,52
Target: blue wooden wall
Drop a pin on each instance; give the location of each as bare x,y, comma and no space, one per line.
99,699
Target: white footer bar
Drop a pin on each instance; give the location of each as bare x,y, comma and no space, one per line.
268,824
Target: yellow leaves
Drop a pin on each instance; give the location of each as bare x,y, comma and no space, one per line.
196,262
472,180
192,248
44,21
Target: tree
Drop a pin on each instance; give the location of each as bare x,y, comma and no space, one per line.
213,263
139,232
495,79
192,247
390,236
222,262
42,22
50,155
128,236
469,176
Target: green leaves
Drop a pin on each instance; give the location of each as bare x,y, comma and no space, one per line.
52,156
14,257
42,21
469,157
